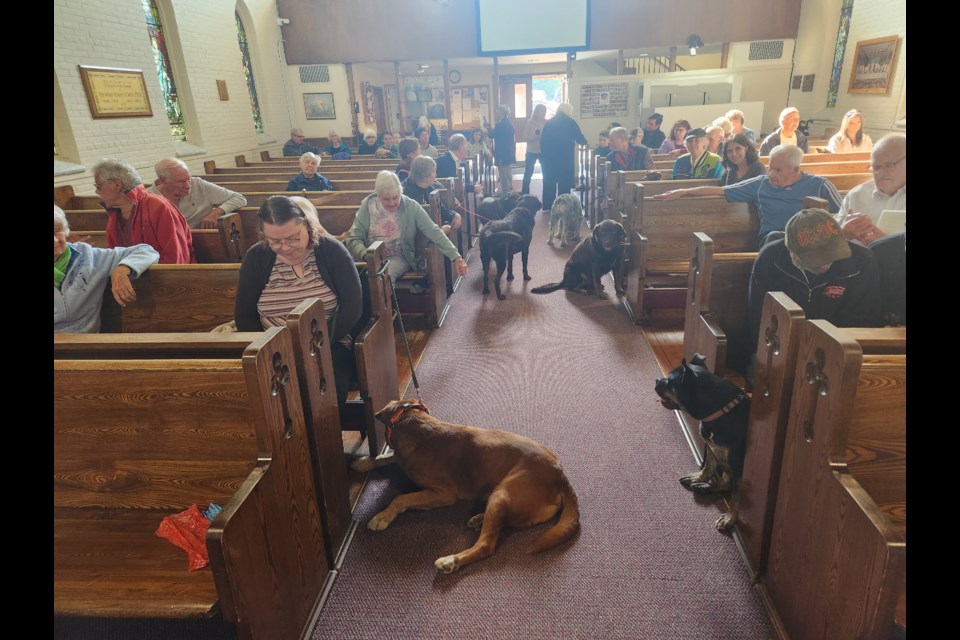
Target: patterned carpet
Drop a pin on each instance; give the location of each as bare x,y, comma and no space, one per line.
575,374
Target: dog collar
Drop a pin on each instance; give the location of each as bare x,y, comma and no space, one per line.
725,409
397,415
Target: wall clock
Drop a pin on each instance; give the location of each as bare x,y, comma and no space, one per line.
454,76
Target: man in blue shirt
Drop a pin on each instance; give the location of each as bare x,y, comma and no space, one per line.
777,196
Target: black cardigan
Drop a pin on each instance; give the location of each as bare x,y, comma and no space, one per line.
336,266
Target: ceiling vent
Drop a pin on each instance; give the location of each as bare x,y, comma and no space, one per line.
314,73
766,50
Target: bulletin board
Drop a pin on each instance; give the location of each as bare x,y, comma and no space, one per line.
469,106
605,100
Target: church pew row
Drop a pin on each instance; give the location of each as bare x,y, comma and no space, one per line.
657,257
315,369
837,560
238,231
616,196
658,232
137,440
198,298
326,165
815,168
226,243
284,176
808,158
280,186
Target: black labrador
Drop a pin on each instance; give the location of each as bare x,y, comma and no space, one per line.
496,207
596,255
500,239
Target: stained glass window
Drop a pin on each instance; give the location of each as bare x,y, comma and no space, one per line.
248,72
846,12
164,71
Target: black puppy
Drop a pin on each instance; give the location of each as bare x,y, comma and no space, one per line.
596,255
723,410
500,239
496,207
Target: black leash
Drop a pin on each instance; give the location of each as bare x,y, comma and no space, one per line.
403,331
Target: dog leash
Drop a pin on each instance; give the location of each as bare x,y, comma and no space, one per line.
403,331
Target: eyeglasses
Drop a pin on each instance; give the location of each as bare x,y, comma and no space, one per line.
100,185
887,166
275,243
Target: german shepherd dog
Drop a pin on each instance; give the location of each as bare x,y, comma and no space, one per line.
596,255
723,410
521,480
500,239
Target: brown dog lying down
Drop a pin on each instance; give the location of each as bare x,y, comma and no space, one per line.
520,479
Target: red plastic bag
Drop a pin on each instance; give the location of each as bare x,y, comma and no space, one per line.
188,530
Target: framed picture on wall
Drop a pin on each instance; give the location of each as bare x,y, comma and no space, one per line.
873,65
319,106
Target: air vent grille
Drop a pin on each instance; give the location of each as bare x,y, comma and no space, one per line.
314,73
766,50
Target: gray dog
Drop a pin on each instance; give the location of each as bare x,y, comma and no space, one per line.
566,217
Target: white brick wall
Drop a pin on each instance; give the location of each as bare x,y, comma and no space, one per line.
203,42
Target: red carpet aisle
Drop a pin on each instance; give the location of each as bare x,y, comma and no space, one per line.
573,373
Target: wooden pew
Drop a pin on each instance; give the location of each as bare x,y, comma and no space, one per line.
657,260
137,440
837,559
257,198
327,165
716,306
198,298
776,356
815,168
284,176
226,243
280,186
308,330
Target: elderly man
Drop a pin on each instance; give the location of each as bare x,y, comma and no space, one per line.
296,147
447,163
135,216
200,202
626,156
862,207
829,277
699,163
786,133
777,195
653,137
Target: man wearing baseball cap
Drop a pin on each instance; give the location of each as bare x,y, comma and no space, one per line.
830,277
699,163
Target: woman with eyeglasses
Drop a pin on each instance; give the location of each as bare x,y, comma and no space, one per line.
851,136
296,259
369,144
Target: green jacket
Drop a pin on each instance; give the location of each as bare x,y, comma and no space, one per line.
411,217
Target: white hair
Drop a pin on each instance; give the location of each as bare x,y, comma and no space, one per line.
60,219
117,169
310,154
164,167
791,153
565,108
387,184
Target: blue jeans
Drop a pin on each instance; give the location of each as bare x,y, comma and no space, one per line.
530,161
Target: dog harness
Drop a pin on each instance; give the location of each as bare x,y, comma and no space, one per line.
725,409
398,414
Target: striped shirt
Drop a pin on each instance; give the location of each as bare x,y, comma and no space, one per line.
285,290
